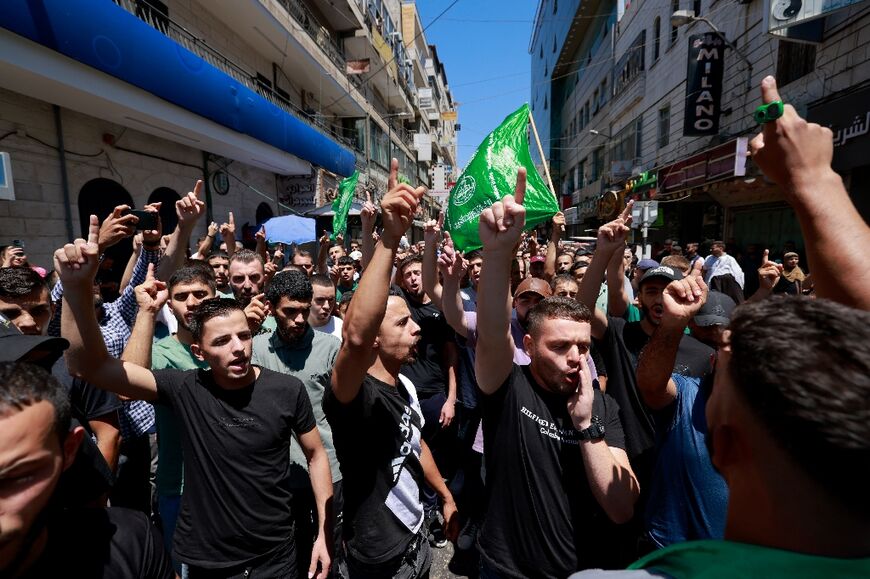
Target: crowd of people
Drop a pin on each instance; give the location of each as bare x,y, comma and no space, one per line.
554,410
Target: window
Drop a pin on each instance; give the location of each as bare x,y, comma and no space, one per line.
597,164
604,91
794,60
657,36
581,174
545,102
675,5
638,138
664,126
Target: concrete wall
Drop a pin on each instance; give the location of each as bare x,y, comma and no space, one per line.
38,215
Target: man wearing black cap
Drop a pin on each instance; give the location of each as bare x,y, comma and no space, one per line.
688,499
710,322
622,341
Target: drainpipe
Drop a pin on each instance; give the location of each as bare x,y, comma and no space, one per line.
64,178
207,182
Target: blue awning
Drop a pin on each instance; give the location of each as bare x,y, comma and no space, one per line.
102,35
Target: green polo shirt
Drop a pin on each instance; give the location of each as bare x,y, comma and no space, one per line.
311,360
170,353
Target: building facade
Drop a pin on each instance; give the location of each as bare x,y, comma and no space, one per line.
270,102
609,83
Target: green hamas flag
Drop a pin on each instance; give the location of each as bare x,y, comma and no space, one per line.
490,175
341,204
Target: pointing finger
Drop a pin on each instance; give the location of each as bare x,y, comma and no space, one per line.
197,189
149,276
368,197
394,174
232,219
520,189
94,230
696,268
765,256
440,219
769,91
626,212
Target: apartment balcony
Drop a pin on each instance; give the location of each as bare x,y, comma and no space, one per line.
629,93
150,73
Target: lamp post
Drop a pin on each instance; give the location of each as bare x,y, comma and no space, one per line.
598,133
681,17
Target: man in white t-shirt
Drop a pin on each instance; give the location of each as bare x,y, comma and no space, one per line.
720,263
322,316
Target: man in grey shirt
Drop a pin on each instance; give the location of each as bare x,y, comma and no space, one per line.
294,348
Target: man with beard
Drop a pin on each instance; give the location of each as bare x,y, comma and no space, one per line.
248,281
238,423
220,264
433,374
39,538
556,467
375,417
188,288
687,497
295,349
303,259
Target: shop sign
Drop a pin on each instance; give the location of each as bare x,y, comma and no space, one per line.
849,119
704,84
297,191
716,164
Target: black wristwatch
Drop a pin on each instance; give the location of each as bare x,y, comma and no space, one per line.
594,432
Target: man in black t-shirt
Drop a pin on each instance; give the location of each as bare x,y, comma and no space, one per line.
375,417
556,467
237,422
39,538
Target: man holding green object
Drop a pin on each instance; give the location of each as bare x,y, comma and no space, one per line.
490,175
341,204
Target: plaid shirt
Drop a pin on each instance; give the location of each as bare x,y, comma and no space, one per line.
116,325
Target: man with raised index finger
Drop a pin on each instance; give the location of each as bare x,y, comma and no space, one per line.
556,466
376,419
238,422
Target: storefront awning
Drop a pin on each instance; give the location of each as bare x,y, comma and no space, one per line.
722,162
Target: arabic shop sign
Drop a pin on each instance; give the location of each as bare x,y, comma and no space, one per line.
849,118
704,84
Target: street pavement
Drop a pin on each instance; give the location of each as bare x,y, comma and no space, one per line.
445,566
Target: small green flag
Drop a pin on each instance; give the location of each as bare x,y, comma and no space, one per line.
490,175
341,204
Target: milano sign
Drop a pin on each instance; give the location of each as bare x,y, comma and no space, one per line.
704,84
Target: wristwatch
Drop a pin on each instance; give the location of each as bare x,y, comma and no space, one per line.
595,430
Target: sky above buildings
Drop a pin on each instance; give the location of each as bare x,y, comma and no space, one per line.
484,47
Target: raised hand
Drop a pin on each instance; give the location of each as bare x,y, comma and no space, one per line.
368,214
399,206
790,151
432,230
213,229
558,226
14,257
451,265
228,228
612,235
501,225
278,255
580,402
769,272
151,237
116,227
76,263
190,208
683,298
257,311
151,294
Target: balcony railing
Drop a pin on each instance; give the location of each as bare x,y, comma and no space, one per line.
214,57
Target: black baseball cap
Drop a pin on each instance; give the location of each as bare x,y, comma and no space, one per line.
664,272
15,346
716,311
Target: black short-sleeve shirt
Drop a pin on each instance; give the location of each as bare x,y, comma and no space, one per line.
377,440
236,501
113,543
542,519
427,373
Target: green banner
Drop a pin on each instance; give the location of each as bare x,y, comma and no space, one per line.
341,204
490,175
